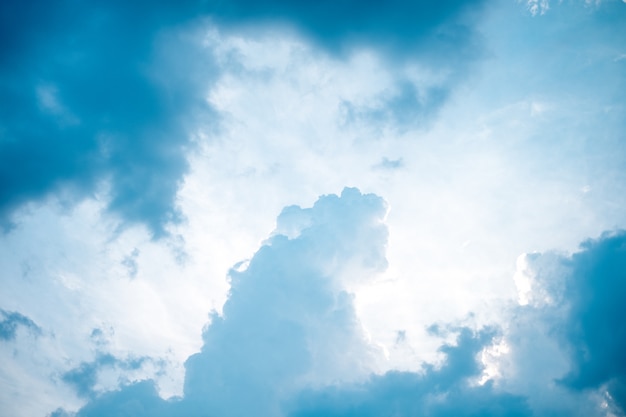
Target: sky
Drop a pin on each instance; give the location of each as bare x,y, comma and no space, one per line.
299,209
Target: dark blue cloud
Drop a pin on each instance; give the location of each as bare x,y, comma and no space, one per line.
569,341
594,325
402,27
97,91
11,321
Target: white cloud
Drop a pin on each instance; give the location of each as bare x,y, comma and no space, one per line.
538,6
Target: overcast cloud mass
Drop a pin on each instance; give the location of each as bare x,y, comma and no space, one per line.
295,209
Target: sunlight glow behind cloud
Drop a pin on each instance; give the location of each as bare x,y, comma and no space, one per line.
182,235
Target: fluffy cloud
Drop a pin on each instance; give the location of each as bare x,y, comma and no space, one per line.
288,318
288,323
289,341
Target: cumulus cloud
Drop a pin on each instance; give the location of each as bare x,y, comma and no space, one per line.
289,321
289,341
568,338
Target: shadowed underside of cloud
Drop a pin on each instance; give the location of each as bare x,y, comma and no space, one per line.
399,26
96,92
578,303
289,329
594,326
436,392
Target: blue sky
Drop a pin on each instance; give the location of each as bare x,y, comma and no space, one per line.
287,208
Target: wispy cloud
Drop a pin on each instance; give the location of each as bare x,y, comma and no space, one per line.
10,323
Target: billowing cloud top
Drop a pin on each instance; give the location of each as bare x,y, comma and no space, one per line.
289,332
288,323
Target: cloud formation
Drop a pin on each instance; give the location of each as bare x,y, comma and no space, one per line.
99,93
289,334
11,321
289,321
105,96
289,341
594,327
400,27
569,336
84,378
